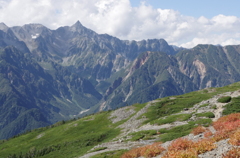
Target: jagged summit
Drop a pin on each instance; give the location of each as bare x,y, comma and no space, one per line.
77,27
3,27
78,23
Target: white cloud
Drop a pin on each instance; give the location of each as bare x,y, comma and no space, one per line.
120,19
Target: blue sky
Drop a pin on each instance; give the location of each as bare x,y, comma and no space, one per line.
196,8
183,23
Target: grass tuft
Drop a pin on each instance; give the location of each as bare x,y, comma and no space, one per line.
206,114
233,107
173,118
224,99
143,135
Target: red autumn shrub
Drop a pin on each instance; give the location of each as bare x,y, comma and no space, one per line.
229,123
131,154
233,153
180,144
184,148
220,135
146,151
235,138
204,145
198,130
208,134
190,153
226,125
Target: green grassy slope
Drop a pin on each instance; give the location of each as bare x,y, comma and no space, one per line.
63,139
76,137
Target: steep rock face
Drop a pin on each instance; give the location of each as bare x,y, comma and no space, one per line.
31,97
8,38
210,66
151,75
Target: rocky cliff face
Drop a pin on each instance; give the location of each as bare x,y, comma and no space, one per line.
210,66
31,97
153,74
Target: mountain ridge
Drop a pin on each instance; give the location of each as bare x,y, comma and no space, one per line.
89,72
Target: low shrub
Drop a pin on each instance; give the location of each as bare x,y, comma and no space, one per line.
220,135
180,144
198,130
235,138
233,153
214,107
203,122
204,145
206,114
233,107
228,123
208,133
143,135
173,118
181,154
181,148
146,151
176,132
224,99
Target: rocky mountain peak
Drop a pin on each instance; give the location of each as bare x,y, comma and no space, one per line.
83,31
34,27
78,23
77,27
3,27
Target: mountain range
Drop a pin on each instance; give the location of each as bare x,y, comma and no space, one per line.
51,75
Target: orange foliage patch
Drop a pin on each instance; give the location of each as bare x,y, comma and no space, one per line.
180,144
208,134
146,151
229,123
190,153
234,153
198,130
235,138
226,125
220,135
184,148
204,145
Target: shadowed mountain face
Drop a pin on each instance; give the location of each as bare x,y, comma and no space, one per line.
32,97
51,75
